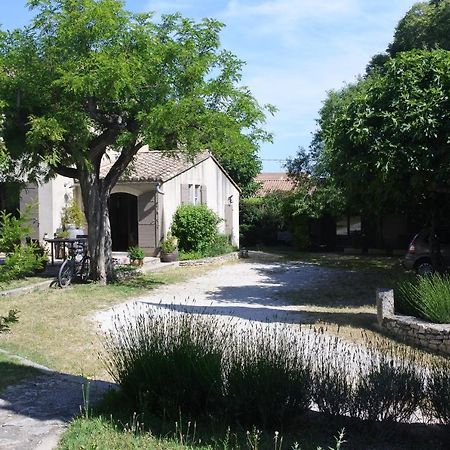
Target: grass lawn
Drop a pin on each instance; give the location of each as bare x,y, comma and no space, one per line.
55,327
13,371
339,260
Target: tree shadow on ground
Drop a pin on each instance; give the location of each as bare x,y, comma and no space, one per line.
44,402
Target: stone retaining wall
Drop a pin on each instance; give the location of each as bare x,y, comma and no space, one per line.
431,336
211,260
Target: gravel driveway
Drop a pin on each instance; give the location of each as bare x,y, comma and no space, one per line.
248,290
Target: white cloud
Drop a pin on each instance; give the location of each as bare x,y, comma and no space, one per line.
164,7
282,17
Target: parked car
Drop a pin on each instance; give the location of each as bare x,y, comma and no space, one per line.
418,257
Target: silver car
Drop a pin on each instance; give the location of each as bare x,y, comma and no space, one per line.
418,257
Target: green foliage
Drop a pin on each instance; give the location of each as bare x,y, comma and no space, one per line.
261,218
170,244
22,261
170,363
13,229
220,246
72,214
425,26
195,226
426,297
93,76
383,141
6,321
136,253
391,388
268,378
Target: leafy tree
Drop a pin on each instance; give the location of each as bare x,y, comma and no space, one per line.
88,77
386,139
425,26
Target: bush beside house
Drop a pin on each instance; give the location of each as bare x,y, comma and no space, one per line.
22,257
195,227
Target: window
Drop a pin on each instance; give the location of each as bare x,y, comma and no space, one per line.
197,195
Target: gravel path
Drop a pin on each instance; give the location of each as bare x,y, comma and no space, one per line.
34,413
246,290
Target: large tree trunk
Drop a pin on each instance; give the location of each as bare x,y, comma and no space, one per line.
95,195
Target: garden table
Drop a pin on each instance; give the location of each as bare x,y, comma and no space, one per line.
65,242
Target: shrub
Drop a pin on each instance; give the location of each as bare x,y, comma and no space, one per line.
195,226
136,253
332,389
267,377
72,215
170,244
426,297
390,384
22,261
13,230
168,364
262,218
438,391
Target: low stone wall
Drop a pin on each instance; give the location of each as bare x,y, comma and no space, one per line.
211,260
431,336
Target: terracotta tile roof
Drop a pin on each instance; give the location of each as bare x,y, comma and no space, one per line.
156,166
273,181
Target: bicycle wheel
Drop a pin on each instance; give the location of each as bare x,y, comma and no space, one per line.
85,269
65,273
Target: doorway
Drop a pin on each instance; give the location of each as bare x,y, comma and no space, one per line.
123,217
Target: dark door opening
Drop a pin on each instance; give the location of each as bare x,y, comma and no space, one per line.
124,221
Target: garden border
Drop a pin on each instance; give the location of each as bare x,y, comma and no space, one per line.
210,260
27,289
431,336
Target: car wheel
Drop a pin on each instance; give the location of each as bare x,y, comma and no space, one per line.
424,268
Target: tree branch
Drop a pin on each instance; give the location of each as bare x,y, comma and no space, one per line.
103,117
68,172
126,156
101,142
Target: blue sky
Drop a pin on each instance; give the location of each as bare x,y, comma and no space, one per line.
295,50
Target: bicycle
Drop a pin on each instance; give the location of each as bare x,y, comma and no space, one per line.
77,265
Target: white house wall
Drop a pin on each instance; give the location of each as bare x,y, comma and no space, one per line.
48,200
220,191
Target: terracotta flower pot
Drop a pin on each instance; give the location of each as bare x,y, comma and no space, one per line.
137,262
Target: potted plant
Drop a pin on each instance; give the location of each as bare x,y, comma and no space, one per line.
72,219
136,255
169,249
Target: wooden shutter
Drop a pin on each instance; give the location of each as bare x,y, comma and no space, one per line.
203,197
229,219
147,220
185,194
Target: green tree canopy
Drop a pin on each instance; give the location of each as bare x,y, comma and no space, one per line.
425,26
88,76
386,139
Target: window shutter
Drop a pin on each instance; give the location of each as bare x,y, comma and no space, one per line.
185,194
203,198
